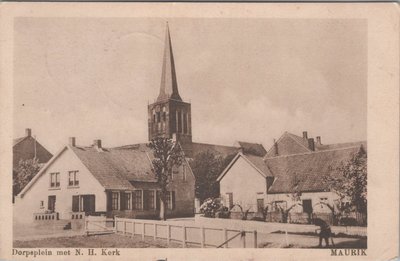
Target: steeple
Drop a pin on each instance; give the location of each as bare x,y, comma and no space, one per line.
169,84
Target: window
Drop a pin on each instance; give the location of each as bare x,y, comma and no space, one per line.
114,200
164,114
185,128
150,199
158,116
41,204
171,200
179,115
73,178
54,180
127,201
184,171
137,199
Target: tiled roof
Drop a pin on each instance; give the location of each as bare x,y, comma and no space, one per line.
116,168
308,169
18,140
252,148
221,150
340,145
259,162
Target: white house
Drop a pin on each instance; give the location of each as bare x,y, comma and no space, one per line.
94,180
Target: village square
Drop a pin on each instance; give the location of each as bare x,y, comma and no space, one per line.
172,191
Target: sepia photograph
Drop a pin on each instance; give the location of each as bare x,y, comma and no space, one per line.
179,131
190,133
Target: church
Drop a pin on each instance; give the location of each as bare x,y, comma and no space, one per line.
98,180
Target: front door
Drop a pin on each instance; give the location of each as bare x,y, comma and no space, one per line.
51,206
88,203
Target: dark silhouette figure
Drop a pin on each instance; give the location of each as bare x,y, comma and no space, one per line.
325,231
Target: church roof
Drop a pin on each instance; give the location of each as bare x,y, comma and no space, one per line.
221,150
169,84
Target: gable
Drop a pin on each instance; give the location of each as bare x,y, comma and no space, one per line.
242,173
288,145
62,163
25,149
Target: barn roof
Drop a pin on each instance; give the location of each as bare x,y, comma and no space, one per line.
116,168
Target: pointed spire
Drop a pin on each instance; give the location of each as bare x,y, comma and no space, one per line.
169,84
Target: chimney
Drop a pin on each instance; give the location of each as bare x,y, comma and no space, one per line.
97,144
71,141
276,148
28,132
311,144
305,136
319,140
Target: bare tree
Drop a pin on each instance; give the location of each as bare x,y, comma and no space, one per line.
167,154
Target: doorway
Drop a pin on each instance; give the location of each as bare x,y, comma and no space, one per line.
51,206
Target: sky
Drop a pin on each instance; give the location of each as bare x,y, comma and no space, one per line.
247,79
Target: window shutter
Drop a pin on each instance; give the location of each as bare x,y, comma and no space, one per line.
173,199
109,200
75,203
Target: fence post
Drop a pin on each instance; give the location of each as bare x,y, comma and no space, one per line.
225,237
115,224
133,228
86,227
286,238
155,231
168,233
143,230
203,237
183,236
243,236
255,238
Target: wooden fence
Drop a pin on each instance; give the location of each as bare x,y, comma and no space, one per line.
186,235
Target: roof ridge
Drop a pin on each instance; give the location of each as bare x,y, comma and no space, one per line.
311,152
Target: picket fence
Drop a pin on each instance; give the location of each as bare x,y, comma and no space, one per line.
162,230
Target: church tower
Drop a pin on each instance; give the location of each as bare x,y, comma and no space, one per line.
169,116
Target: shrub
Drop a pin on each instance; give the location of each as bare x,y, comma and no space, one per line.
348,221
210,207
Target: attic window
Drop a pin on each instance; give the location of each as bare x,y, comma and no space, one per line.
73,179
55,180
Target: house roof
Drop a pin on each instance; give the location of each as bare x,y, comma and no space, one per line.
252,148
259,162
289,144
303,172
116,168
307,171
